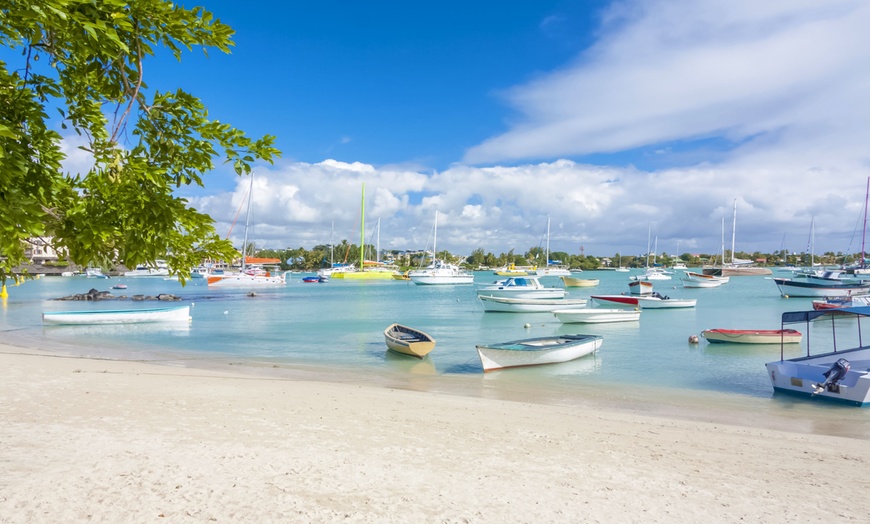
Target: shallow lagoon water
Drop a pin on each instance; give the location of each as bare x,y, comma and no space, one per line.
334,331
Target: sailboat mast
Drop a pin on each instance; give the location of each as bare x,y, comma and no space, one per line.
648,233
362,229
733,232
435,239
378,244
863,235
547,261
723,241
247,222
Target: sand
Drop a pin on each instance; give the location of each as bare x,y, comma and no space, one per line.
86,440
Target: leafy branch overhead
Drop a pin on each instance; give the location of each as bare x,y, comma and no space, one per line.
81,69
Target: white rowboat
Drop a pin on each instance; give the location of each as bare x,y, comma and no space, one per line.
596,315
408,341
124,316
529,305
537,351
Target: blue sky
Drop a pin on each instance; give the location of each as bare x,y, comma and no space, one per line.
613,119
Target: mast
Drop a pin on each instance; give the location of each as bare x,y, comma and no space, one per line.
648,233
331,247
378,243
733,233
362,229
864,234
247,221
435,240
547,260
723,241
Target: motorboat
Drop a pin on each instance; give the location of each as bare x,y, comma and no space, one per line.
805,287
439,272
529,305
159,269
653,301
840,375
537,351
521,287
638,286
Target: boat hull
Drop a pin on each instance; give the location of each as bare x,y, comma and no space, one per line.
408,341
596,315
580,282
436,280
537,351
753,336
127,316
242,280
802,376
737,271
640,287
793,288
529,305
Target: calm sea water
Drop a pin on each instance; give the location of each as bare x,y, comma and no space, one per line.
334,331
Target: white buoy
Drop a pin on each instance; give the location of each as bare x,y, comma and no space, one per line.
527,325
226,312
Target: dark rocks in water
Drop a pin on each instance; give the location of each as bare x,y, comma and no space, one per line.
93,294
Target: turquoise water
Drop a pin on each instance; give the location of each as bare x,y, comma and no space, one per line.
336,330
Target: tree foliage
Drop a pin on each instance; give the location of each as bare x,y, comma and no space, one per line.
81,68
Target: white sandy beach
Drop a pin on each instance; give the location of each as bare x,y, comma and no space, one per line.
108,441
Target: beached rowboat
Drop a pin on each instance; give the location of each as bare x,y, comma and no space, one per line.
408,341
123,316
537,351
753,336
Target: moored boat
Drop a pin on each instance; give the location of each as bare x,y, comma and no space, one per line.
521,287
529,305
841,302
408,341
653,301
596,315
537,351
753,336
798,287
580,282
638,286
841,375
121,316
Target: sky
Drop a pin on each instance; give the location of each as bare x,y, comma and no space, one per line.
625,125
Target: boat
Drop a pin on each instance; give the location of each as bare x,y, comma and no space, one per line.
841,302
638,286
736,268
537,351
594,315
806,287
580,282
368,269
693,279
159,269
753,336
401,276
95,272
551,270
439,272
512,270
840,375
529,305
653,301
408,341
121,316
315,279
253,276
521,287
119,286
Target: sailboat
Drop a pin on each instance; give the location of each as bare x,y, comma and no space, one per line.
548,270
368,270
621,268
249,276
736,268
439,271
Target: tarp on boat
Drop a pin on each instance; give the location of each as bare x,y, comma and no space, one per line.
792,317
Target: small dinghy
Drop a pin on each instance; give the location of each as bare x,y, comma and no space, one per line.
537,351
408,341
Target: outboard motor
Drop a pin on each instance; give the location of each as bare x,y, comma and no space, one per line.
833,376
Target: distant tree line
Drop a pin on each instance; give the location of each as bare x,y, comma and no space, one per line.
302,259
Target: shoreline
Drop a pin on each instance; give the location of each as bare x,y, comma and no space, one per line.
89,439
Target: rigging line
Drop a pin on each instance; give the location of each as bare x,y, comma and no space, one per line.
243,202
